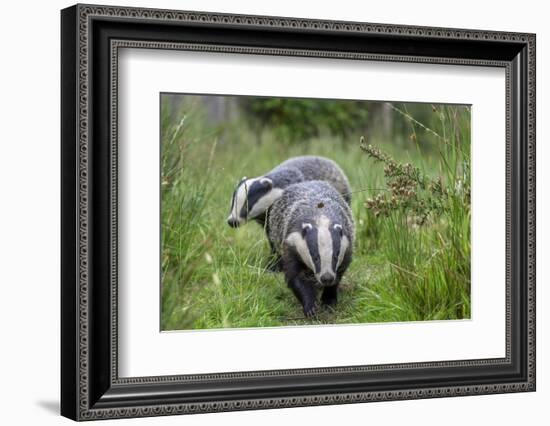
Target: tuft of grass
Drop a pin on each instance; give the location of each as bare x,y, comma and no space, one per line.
426,223
403,269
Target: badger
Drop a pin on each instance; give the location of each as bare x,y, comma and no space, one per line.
312,230
253,196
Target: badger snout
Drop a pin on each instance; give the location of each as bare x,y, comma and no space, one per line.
327,279
233,222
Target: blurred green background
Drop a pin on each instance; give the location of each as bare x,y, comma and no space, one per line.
411,205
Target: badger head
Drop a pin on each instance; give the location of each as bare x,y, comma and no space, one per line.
251,199
321,246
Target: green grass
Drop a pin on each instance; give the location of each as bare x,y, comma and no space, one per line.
214,276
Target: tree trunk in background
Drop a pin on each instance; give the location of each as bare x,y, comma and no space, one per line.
173,102
220,109
386,119
380,121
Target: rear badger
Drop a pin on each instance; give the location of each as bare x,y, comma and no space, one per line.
253,197
311,227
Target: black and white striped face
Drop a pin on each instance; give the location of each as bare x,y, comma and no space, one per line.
252,198
321,246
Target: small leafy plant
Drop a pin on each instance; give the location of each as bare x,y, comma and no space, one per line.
408,189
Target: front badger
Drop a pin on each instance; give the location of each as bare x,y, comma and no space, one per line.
311,228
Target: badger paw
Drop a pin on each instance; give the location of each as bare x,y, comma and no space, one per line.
310,310
329,298
330,303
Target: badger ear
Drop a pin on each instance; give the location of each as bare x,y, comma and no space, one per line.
244,178
306,227
338,227
266,182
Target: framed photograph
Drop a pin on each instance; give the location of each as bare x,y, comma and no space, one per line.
263,212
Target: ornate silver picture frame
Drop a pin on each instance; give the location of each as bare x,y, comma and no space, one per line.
91,37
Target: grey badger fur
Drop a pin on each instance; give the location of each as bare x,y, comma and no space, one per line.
253,197
311,228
